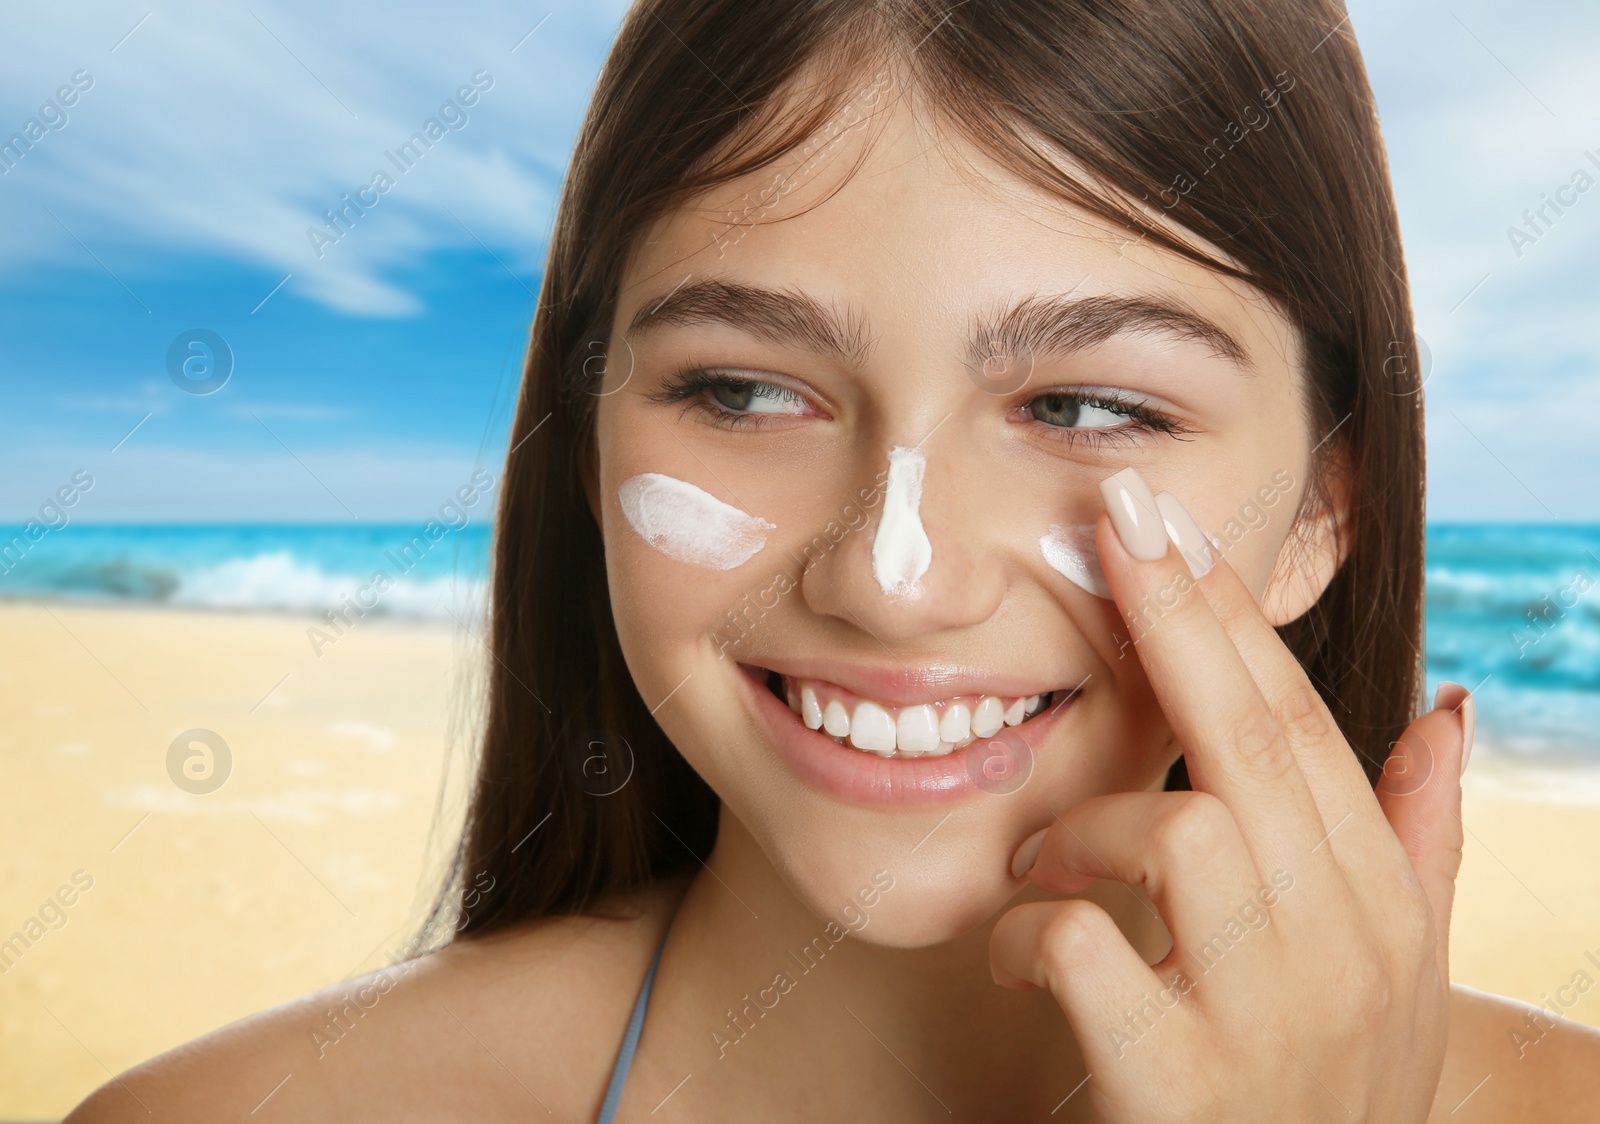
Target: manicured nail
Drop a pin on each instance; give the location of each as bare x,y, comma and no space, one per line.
1455,697
1027,854
1135,515
1185,534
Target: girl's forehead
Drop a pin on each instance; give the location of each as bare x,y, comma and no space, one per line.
898,216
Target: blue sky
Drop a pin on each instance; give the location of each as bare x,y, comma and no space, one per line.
178,192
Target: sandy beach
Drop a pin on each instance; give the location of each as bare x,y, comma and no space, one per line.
153,911
311,862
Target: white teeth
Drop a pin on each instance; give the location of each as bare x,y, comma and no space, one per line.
989,717
917,730
836,720
956,723
872,729
810,709
922,730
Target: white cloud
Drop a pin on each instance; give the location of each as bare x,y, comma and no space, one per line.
228,130
1484,108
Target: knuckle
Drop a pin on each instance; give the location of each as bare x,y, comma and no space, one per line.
1192,829
1364,981
1070,929
1260,741
1410,920
1305,718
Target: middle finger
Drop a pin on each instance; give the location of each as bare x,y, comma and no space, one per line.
1234,746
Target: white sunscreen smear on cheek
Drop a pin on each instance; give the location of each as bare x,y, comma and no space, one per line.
1070,551
688,524
901,552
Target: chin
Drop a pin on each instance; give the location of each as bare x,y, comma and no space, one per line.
934,906
880,894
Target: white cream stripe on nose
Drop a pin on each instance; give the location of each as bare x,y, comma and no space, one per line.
901,552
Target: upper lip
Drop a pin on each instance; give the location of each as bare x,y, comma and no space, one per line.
908,685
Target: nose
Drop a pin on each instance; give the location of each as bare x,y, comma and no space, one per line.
965,577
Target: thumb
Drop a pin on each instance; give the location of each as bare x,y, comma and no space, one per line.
1420,794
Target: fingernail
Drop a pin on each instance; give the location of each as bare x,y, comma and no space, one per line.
1455,697
1135,515
1185,534
1027,854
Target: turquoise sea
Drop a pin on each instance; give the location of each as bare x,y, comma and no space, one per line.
273,567
1513,611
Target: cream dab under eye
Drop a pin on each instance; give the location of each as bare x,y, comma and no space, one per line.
1070,550
689,524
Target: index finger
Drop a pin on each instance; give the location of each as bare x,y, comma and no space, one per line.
1332,769
1233,743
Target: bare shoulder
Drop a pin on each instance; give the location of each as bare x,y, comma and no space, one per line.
1508,1061
493,1026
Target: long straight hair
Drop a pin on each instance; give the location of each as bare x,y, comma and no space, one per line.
1247,123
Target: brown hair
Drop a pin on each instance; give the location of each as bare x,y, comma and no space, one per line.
1248,123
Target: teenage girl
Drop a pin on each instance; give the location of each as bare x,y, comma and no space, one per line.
956,612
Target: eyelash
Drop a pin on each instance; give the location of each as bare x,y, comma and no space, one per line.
1141,417
689,383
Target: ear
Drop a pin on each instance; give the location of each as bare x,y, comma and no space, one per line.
1314,551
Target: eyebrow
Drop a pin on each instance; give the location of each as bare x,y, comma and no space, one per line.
776,315
1061,325
1037,325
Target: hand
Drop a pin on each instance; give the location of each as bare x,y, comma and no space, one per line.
1309,975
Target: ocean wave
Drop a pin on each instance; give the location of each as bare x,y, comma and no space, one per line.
212,572
280,581
1513,590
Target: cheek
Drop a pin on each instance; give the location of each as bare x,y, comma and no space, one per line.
681,552
666,606
690,525
689,561
1249,524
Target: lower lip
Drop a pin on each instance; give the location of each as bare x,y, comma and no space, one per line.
859,777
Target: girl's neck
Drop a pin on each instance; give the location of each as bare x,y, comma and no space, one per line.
769,1000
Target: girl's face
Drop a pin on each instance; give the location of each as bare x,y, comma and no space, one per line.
850,438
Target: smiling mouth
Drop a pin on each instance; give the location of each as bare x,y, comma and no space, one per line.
931,729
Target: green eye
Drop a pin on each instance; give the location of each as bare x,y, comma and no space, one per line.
729,400
1072,411
745,397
